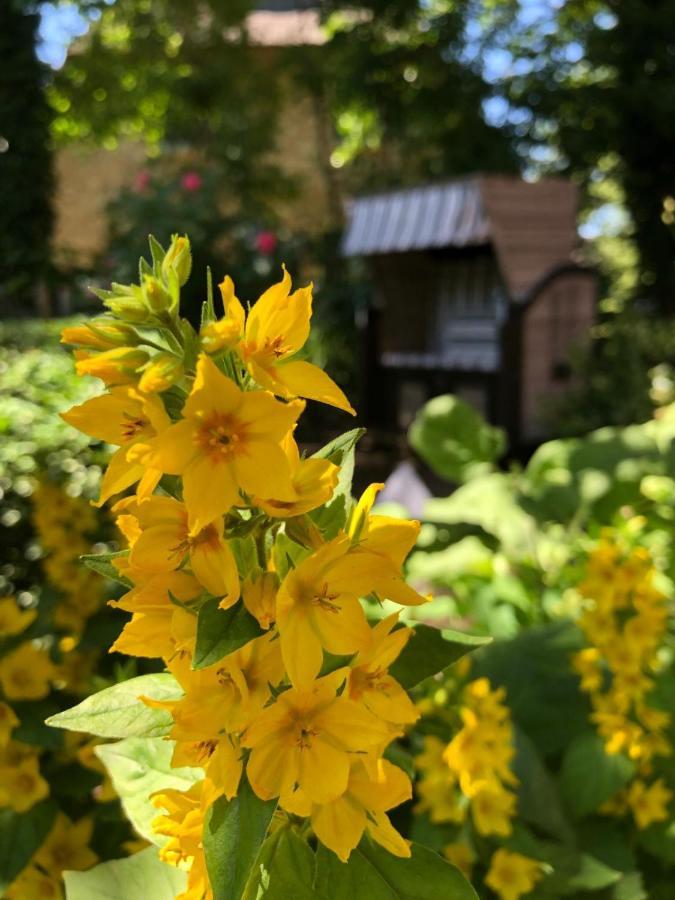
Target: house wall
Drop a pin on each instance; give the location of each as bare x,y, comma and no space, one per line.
87,178
559,319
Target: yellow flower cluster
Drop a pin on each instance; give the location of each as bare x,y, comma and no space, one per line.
304,707
624,622
64,525
66,847
472,773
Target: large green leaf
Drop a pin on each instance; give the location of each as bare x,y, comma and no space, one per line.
284,869
20,836
454,439
142,876
117,712
234,832
538,798
138,767
222,631
589,775
424,876
489,502
430,651
542,692
331,517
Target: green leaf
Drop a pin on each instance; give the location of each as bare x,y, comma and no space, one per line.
356,878
138,768
431,650
142,876
331,517
284,869
102,563
424,876
21,834
589,776
116,712
234,831
454,439
659,839
222,631
538,799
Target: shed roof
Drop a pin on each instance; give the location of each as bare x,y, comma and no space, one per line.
532,226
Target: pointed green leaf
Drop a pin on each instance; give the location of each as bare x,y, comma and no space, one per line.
138,767
234,831
283,869
102,563
430,651
222,631
423,876
117,712
341,451
142,876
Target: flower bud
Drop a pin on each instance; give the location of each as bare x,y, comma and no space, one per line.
161,372
259,593
155,295
116,366
178,259
303,531
220,335
100,334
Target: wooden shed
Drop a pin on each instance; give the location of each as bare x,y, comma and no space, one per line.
476,292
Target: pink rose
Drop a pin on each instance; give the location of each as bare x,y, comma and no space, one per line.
266,242
191,182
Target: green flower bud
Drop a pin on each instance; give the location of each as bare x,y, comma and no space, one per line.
178,259
156,296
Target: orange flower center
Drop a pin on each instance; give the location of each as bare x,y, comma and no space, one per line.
219,438
132,426
326,601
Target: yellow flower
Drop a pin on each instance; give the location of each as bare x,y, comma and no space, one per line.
21,784
276,328
306,739
183,824
226,696
259,593
313,480
221,335
587,664
512,875
164,541
158,627
340,824
32,884
67,846
228,441
100,334
648,803
369,682
460,855
492,809
8,722
13,619
387,542
318,607
128,419
26,673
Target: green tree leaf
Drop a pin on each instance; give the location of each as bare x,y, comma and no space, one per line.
454,439
138,767
222,631
21,834
142,876
234,831
117,712
589,775
431,650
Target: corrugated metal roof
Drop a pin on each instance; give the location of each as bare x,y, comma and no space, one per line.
438,215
